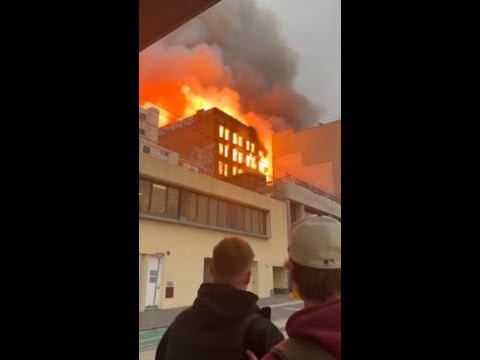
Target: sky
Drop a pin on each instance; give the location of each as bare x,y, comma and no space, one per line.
312,29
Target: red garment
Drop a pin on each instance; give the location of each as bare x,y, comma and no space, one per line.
320,325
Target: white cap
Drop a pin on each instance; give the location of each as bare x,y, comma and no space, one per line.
316,242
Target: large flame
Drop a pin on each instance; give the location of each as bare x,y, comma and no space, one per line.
187,101
181,82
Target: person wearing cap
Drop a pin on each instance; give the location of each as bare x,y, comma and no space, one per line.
314,264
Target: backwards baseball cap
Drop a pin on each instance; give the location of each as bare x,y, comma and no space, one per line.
316,242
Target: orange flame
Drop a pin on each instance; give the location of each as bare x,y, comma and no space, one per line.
181,81
226,100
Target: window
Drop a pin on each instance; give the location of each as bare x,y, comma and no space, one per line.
234,154
173,199
188,205
263,223
240,171
159,200
142,116
240,141
225,151
249,159
222,214
143,195
142,131
220,167
248,219
227,134
235,138
146,149
220,131
165,201
253,148
239,217
153,276
255,221
248,145
225,170
254,163
240,157
220,149
234,170
191,206
202,209
258,223
212,211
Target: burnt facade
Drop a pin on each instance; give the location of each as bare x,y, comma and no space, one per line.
219,145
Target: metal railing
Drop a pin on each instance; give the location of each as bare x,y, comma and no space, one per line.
291,179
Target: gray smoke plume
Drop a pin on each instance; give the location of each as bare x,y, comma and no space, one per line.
260,65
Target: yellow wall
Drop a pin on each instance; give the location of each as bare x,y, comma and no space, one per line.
188,245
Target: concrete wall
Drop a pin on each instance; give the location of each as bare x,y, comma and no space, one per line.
308,198
313,153
185,247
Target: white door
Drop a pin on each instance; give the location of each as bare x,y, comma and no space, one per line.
153,294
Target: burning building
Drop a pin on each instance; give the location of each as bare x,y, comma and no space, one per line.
211,95
214,143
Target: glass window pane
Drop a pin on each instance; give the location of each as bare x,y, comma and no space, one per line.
212,212
255,221
143,195
222,213
239,217
191,206
159,198
202,209
172,202
248,219
263,223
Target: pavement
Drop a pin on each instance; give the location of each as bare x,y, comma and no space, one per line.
282,307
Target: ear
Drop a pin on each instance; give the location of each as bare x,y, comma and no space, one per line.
211,269
288,265
247,277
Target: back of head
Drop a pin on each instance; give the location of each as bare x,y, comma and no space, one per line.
232,257
315,257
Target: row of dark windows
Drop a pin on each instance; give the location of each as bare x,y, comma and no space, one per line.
171,202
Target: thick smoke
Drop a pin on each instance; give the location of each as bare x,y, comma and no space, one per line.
239,47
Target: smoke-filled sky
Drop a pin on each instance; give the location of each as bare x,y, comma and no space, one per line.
243,57
312,29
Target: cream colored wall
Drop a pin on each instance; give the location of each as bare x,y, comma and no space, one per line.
265,278
189,245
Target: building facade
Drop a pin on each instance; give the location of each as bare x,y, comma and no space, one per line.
312,155
218,145
183,214
187,204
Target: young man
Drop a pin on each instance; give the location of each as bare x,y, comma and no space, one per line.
314,264
224,320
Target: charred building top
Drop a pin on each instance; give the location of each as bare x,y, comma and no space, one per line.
219,145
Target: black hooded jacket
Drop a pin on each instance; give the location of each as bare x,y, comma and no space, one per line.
222,323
